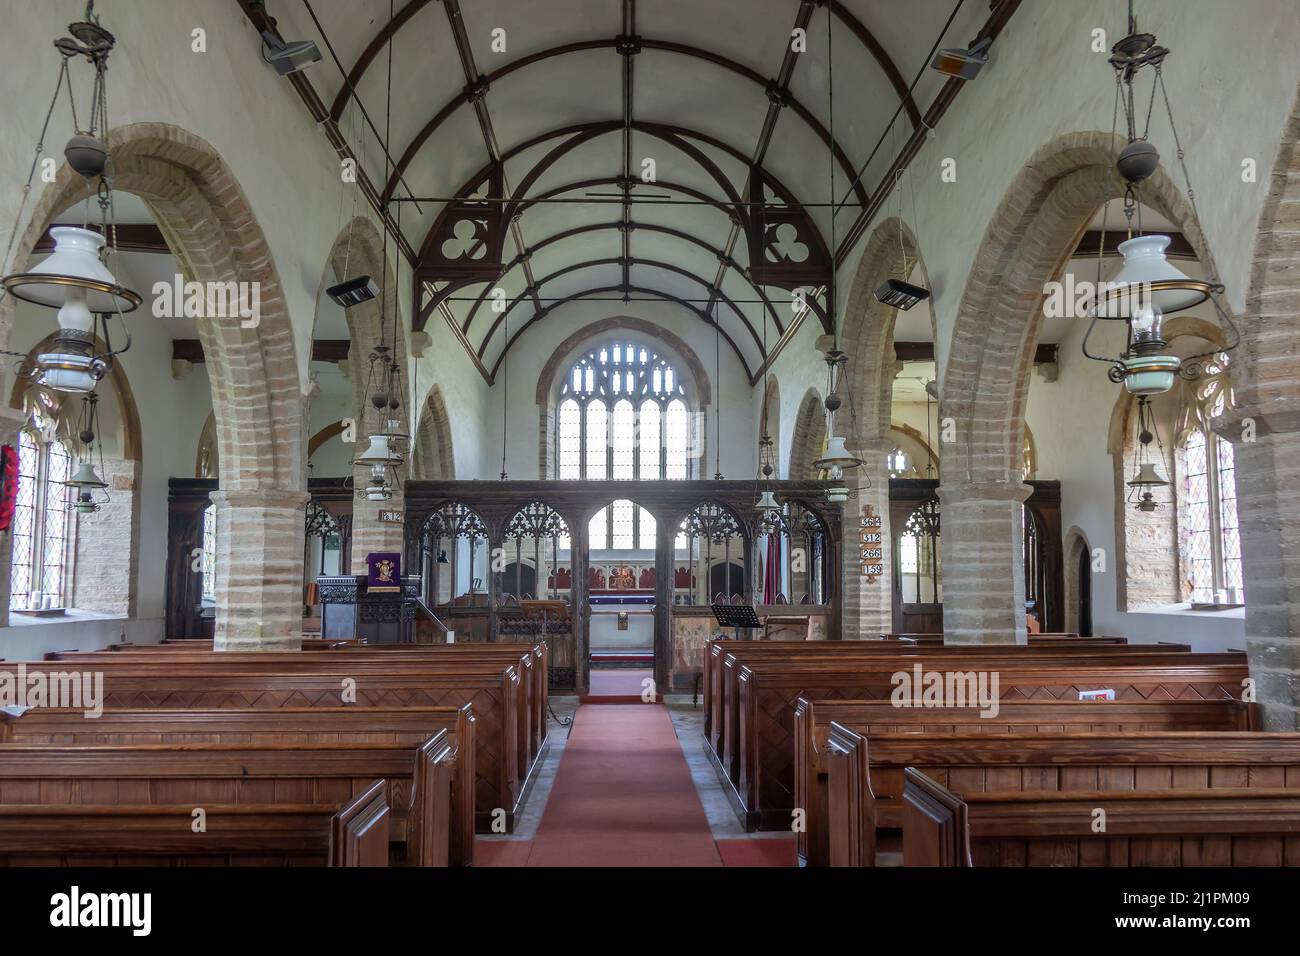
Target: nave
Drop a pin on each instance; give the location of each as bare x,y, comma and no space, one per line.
451,441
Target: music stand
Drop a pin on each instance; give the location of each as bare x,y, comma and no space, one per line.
735,615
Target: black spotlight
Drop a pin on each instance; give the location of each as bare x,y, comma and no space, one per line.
901,295
353,291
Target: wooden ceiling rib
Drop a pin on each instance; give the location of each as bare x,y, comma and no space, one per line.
693,144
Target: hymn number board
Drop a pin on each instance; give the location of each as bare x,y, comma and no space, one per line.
871,549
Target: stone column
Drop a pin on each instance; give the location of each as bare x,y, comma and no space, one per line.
368,532
259,569
868,604
1268,510
982,562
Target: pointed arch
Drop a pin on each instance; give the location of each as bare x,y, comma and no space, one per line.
432,456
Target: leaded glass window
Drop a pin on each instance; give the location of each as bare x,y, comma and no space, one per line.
208,558
621,525
623,415
40,525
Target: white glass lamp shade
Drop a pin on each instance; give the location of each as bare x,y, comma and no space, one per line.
86,477
766,502
1148,276
836,455
73,280
837,494
68,372
379,452
1150,374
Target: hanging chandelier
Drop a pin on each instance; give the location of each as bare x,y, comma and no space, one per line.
384,449
85,483
1147,481
836,459
74,279
1147,287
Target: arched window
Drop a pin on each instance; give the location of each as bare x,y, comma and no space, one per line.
623,415
38,569
621,526
1207,515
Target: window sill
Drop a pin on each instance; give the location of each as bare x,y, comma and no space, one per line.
70,615
1184,609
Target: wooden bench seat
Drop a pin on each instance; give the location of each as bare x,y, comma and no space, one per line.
763,773
865,776
533,659
417,780
492,690
355,834
531,662
727,658
1219,828
321,725
868,718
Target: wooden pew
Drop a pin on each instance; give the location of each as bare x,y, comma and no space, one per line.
1227,827
535,673
764,788
416,779
865,776
532,710
722,701
727,713
321,725
493,692
868,718
233,835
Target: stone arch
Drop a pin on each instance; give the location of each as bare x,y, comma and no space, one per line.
1074,538
1264,381
867,339
985,374
563,354
100,580
359,249
433,456
1147,554
256,386
808,437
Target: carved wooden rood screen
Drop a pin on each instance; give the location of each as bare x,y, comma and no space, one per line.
511,561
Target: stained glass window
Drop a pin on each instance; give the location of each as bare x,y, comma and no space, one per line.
622,406
40,525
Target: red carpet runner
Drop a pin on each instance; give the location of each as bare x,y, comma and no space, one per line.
623,796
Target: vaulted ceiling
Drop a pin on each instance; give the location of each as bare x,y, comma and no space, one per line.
519,134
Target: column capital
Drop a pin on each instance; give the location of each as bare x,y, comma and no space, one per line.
967,492
1279,417
289,498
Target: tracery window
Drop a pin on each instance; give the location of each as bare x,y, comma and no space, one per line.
40,524
623,415
1207,521
622,525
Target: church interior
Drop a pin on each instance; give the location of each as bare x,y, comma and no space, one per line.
650,433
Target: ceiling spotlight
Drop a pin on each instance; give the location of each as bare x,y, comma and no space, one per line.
288,57
963,64
353,291
901,295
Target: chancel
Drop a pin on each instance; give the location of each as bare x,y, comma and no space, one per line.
650,433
